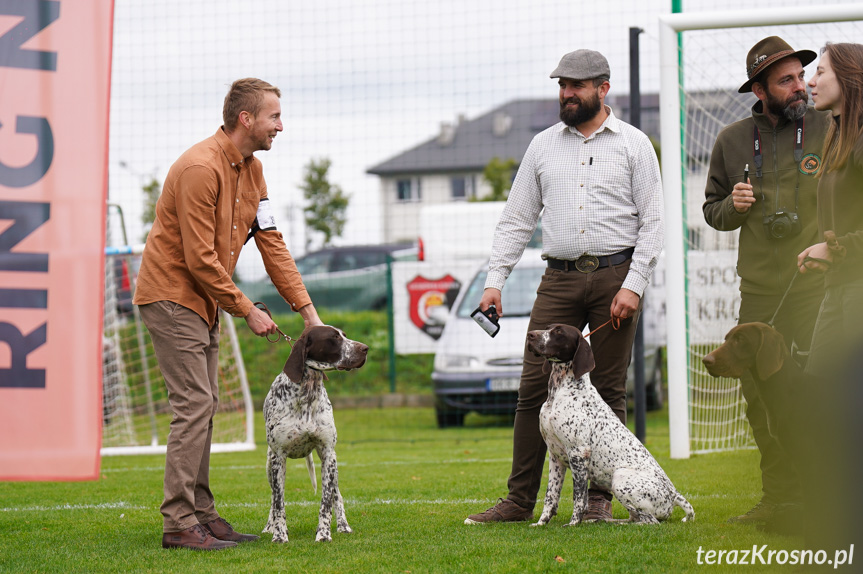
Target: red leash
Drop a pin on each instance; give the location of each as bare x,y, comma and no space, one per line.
615,324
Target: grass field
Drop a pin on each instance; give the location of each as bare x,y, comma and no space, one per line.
408,487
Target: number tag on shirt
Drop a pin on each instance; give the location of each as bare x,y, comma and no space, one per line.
266,220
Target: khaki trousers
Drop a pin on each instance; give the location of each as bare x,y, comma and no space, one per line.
188,355
578,299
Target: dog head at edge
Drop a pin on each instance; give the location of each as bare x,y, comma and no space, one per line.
562,344
748,346
328,348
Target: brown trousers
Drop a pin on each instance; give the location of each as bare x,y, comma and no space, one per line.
578,299
188,354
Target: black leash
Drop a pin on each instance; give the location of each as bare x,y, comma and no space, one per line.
784,295
791,284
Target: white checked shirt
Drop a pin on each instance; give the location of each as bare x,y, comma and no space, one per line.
602,194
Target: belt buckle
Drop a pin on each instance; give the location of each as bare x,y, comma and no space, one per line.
587,263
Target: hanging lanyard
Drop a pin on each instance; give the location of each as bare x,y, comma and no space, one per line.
758,159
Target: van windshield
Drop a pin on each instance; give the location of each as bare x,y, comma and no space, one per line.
519,292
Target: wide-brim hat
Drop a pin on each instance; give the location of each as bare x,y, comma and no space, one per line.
766,53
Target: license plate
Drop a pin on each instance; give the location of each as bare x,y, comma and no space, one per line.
503,384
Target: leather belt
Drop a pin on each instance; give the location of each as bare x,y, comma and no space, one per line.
590,263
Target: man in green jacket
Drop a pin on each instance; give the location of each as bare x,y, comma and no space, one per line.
775,210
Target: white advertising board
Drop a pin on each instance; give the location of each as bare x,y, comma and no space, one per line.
713,293
418,288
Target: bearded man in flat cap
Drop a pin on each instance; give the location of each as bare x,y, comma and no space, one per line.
596,181
775,211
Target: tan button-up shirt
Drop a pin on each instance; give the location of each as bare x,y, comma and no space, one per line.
209,203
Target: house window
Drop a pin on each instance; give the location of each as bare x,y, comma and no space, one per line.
408,190
460,187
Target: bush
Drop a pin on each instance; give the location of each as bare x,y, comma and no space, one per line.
264,360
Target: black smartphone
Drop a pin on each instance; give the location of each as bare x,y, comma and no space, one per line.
487,319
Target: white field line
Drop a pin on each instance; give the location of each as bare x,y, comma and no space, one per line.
314,502
350,502
341,464
102,506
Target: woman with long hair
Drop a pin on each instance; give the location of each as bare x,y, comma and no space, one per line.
832,404
838,87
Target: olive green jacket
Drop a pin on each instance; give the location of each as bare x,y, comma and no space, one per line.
840,209
766,265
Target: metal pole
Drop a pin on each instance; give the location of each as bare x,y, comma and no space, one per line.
638,349
391,324
228,322
671,119
139,333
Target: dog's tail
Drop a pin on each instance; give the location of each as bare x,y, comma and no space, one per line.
687,508
310,465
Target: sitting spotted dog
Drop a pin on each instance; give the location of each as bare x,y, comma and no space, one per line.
584,435
298,417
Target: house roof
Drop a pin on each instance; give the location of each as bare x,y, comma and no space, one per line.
506,131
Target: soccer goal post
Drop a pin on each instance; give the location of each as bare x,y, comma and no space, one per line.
702,57
136,414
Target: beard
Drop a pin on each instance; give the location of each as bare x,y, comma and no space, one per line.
262,141
587,109
791,109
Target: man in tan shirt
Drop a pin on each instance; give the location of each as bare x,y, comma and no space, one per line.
213,196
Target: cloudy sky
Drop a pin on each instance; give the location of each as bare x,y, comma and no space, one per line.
361,81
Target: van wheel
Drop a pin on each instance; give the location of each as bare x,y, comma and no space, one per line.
448,418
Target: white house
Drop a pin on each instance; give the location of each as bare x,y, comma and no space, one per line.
449,167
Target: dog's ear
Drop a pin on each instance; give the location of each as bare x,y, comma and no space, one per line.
583,361
771,353
296,362
546,366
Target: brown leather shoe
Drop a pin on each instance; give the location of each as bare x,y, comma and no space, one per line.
196,538
503,511
598,508
221,529
761,513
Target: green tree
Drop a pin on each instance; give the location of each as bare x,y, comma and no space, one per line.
327,203
657,147
498,174
152,190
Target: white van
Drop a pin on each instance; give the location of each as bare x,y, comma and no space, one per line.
475,372
461,230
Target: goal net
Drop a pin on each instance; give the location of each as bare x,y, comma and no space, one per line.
135,410
703,57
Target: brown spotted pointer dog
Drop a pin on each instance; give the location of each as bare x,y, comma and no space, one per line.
583,434
298,417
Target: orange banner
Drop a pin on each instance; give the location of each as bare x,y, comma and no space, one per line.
55,78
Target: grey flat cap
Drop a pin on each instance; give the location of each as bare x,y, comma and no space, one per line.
582,65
